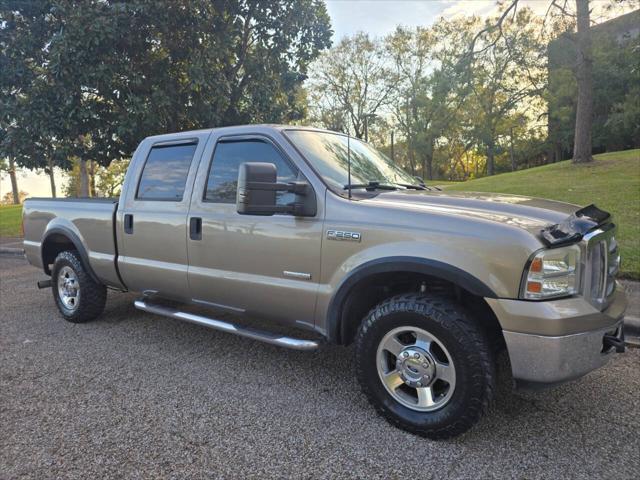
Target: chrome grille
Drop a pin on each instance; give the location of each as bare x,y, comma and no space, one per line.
602,265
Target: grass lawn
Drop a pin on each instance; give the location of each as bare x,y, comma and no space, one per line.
441,183
10,220
612,182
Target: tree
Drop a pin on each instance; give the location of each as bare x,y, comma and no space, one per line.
10,167
615,76
102,74
429,68
582,144
9,199
584,110
109,180
352,77
507,70
25,117
271,44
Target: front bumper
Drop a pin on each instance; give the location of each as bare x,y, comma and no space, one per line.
544,340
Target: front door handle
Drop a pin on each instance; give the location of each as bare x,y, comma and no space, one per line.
195,228
128,223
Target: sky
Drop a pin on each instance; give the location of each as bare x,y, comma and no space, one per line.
376,17
380,17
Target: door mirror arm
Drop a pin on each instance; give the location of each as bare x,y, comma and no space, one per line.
299,188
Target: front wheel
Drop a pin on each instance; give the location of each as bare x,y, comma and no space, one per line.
78,297
425,365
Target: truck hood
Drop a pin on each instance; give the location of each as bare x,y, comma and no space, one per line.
531,214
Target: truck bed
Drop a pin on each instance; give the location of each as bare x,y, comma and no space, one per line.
89,223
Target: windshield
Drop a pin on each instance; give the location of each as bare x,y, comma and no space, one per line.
327,153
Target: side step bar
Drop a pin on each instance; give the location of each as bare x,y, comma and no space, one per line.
267,337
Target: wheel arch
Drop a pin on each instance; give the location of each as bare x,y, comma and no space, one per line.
349,295
58,239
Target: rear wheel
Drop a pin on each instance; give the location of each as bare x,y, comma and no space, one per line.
425,365
78,297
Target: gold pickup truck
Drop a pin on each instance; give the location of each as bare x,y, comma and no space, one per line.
323,233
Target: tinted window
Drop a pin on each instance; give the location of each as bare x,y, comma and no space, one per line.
223,176
165,172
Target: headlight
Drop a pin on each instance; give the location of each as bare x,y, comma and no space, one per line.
552,273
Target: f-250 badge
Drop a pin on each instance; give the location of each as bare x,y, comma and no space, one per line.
344,236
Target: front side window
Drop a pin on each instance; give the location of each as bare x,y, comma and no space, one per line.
164,175
329,154
229,155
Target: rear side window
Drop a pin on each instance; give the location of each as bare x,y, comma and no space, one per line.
223,175
164,175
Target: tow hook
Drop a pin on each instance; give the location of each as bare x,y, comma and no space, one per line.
44,283
615,341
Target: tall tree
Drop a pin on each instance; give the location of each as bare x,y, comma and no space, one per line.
115,71
584,68
429,90
8,164
19,54
14,181
582,148
507,70
354,76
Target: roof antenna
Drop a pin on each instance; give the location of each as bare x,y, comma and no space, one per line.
349,163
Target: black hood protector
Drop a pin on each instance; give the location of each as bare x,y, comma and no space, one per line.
575,226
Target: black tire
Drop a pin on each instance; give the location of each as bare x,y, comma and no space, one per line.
92,297
464,340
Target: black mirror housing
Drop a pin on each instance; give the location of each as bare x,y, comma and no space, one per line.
248,198
257,187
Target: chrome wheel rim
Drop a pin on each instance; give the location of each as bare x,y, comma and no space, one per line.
68,288
416,369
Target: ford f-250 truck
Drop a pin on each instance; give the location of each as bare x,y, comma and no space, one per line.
324,233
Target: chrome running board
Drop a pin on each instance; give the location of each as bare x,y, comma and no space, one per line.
267,337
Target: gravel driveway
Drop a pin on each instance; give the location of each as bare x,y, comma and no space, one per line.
137,396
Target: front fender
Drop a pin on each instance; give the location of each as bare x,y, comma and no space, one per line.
409,264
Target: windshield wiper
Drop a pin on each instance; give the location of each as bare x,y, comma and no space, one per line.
431,188
413,187
370,186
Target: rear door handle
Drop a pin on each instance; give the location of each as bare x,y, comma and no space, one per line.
128,223
195,228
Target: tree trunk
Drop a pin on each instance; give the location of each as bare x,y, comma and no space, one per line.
366,128
412,160
92,178
584,111
557,153
429,159
490,158
358,129
14,182
393,157
513,154
84,179
52,180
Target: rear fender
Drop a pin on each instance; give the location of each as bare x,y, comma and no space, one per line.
52,236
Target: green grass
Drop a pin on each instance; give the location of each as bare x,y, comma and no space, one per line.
441,183
612,182
10,220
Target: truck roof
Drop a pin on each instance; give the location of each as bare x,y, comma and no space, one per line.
255,128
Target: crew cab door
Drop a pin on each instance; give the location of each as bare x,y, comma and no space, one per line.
152,219
264,266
